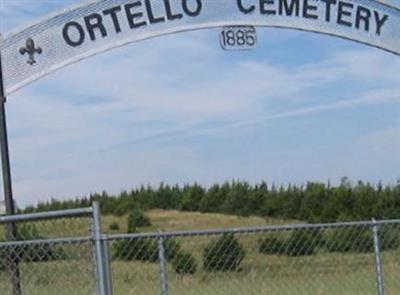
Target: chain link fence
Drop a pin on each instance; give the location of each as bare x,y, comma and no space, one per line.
339,259
47,253
349,258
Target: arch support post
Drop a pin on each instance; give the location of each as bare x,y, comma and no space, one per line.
12,260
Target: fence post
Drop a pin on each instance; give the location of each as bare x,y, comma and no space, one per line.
163,268
107,267
98,257
378,259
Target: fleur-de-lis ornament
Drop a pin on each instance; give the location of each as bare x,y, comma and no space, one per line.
31,50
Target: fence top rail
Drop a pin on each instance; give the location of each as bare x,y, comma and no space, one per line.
46,215
243,230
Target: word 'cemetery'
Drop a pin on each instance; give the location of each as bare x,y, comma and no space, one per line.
140,13
341,12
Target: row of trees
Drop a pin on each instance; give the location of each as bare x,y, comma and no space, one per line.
311,202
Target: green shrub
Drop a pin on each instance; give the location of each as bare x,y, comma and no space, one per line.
38,252
136,249
145,249
172,248
224,254
114,226
136,219
359,240
142,249
272,245
302,242
2,260
389,238
184,263
41,252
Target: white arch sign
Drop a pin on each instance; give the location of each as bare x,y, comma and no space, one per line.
100,25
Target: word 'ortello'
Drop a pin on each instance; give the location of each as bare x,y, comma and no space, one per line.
136,14
140,13
344,13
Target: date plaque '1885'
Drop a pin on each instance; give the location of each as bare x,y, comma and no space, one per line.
238,38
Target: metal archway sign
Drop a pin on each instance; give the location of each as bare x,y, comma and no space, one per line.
100,25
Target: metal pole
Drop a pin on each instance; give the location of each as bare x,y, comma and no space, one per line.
378,260
97,238
7,185
107,266
163,268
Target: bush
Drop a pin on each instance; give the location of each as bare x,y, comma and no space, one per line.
38,252
114,226
184,263
302,242
2,260
136,249
224,254
359,240
142,249
389,238
272,245
136,219
172,248
41,253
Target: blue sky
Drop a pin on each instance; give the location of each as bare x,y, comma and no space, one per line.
301,107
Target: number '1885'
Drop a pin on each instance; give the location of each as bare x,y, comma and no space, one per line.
238,38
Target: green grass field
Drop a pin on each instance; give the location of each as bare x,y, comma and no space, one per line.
321,274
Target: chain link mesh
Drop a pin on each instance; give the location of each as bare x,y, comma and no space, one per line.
56,257
312,260
52,256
